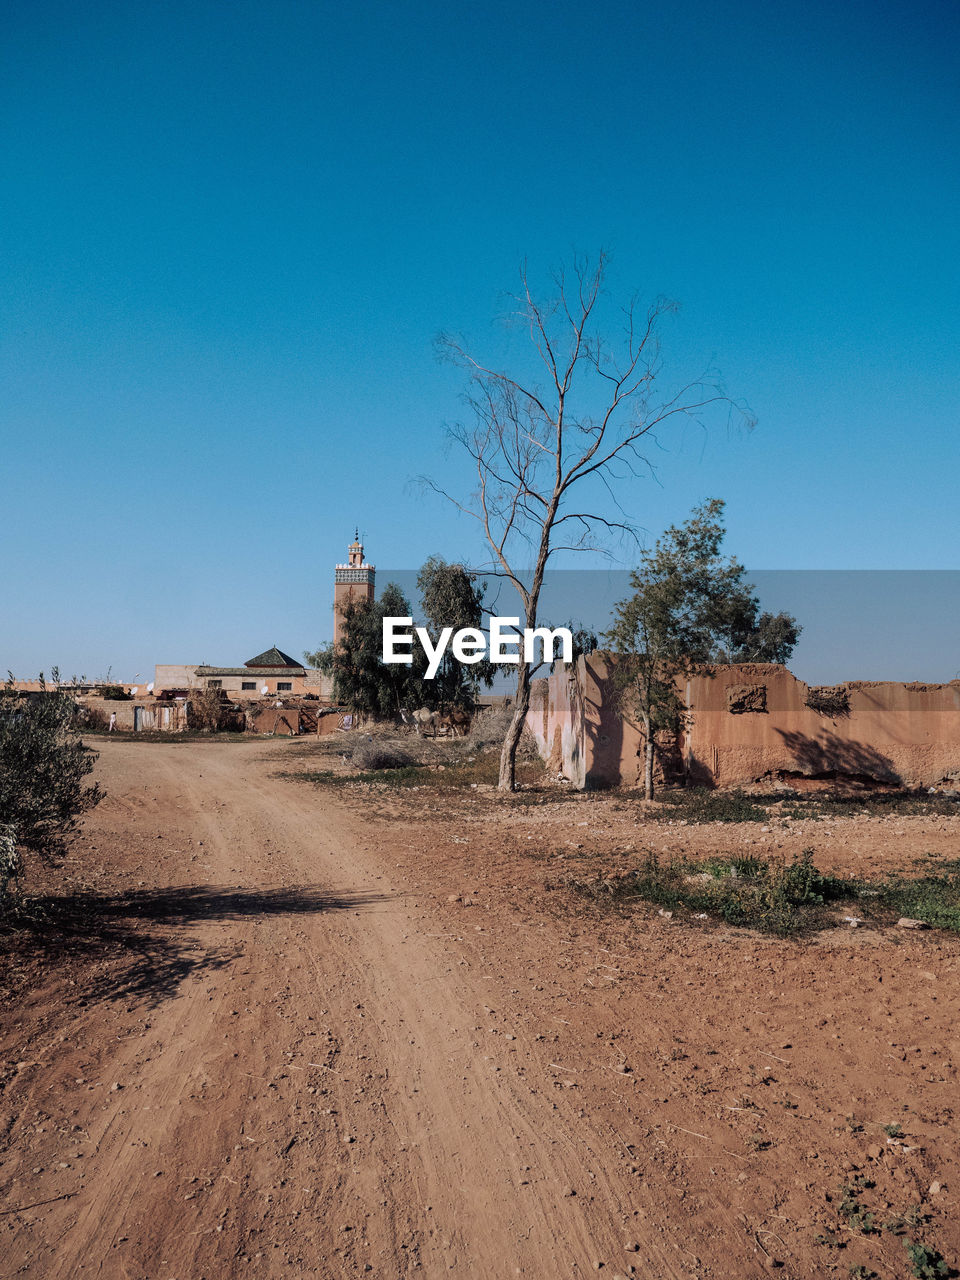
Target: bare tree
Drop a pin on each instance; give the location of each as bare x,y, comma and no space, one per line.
549,449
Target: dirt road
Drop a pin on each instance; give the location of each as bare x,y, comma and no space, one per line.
319,1092
294,1058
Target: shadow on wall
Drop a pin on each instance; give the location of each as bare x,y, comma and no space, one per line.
574,765
828,756
603,723
136,946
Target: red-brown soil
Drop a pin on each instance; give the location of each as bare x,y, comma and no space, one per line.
273,1045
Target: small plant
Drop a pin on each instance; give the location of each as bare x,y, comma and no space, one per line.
876,803
860,1272
893,1130
858,1218
747,867
9,859
927,1264
829,1239
801,883
908,1221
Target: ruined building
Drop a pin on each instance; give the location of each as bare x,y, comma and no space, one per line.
753,723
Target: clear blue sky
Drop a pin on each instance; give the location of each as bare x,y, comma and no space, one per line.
231,231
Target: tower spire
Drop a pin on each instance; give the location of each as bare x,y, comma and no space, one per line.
353,581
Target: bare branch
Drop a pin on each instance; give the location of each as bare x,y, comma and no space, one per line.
532,446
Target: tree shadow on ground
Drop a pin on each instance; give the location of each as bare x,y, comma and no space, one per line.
136,946
830,756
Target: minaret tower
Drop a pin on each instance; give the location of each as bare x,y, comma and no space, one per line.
353,581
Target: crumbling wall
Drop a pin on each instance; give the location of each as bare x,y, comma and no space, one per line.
752,722
880,731
555,719
140,715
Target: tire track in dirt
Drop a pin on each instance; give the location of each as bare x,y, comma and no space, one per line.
493,1158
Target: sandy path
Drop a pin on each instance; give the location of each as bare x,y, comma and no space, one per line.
327,1088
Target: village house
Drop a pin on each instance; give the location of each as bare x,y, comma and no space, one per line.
270,674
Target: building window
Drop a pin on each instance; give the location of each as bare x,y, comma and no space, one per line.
248,684
284,686
214,684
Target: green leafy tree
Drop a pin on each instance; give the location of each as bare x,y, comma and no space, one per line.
687,602
551,442
43,765
321,659
452,596
361,679
759,637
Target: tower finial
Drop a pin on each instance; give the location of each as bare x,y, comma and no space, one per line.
356,534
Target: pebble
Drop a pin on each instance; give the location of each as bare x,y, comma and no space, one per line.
906,923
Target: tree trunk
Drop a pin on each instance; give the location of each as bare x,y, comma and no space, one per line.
648,754
508,753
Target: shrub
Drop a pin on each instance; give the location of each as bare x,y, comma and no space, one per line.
749,893
205,709
934,899
489,728
87,717
43,765
699,805
377,755
802,884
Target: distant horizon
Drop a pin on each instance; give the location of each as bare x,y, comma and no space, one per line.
856,624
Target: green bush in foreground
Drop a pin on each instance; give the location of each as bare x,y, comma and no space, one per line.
43,765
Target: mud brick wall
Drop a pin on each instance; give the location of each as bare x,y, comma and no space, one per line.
751,723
